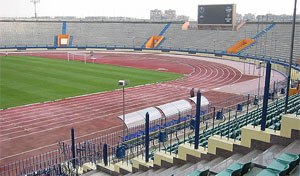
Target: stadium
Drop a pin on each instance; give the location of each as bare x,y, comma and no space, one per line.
101,96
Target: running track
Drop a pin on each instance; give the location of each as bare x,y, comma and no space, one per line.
33,129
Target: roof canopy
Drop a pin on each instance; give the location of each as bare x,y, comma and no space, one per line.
204,101
138,117
170,109
175,108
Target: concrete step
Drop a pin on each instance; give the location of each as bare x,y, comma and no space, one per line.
159,171
148,173
191,168
135,174
152,172
291,148
175,169
167,171
250,156
95,173
212,163
224,164
265,158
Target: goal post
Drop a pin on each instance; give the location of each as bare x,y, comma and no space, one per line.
77,56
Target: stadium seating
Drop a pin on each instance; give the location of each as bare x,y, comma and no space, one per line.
274,43
286,157
28,33
85,34
205,39
281,165
121,34
199,173
232,129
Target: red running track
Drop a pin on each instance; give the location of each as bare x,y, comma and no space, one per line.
30,130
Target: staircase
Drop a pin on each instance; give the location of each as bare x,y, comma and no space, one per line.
257,152
162,32
156,41
257,36
262,32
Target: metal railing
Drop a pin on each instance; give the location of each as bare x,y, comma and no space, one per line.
58,162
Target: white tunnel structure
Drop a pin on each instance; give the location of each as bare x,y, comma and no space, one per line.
175,108
204,103
169,110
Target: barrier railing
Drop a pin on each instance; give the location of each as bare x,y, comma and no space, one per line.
280,61
166,138
58,162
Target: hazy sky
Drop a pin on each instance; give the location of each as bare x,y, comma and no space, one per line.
135,8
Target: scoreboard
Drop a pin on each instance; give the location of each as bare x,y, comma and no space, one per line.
216,14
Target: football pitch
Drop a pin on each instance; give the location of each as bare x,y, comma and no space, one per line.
26,80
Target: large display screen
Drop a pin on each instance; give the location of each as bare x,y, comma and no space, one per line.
216,14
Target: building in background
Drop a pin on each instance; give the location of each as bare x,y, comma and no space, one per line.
156,15
249,17
239,17
170,15
182,18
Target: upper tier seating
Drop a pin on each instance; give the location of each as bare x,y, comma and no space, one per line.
275,43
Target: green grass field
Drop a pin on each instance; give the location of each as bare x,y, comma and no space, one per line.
26,80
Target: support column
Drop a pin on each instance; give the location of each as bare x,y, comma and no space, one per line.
197,125
105,156
147,125
266,97
73,147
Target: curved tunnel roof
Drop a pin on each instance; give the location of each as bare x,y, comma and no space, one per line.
175,107
204,101
169,109
138,117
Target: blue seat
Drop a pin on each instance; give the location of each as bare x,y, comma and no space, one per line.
141,132
236,169
155,128
269,172
175,121
280,166
229,173
291,159
199,173
126,138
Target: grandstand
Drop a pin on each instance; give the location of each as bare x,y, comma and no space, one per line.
28,33
206,39
230,140
274,44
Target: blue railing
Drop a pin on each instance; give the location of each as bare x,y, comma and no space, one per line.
256,36
262,32
156,127
164,29
273,60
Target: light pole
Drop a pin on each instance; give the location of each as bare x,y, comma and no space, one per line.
258,88
290,60
214,115
133,42
244,65
214,44
35,2
275,46
123,83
